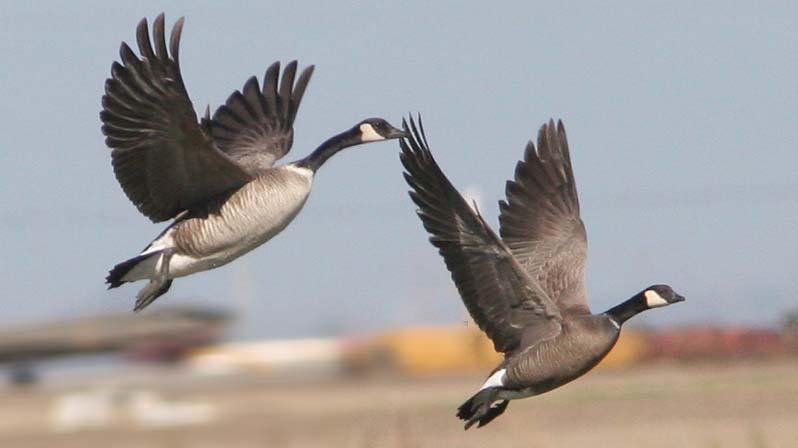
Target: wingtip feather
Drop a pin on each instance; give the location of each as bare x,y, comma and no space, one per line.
174,39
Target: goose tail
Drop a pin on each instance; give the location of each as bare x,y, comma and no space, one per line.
480,408
122,272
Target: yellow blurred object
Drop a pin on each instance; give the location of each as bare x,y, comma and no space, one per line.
630,349
437,349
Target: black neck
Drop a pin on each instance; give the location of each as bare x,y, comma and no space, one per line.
621,313
329,148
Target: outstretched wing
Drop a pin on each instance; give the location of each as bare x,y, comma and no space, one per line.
540,220
255,127
162,158
501,298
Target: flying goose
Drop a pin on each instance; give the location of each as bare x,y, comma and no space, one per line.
525,290
217,177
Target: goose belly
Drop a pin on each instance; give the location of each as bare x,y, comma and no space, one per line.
553,363
535,379
250,217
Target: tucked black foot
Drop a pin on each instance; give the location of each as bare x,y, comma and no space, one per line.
493,412
149,293
157,286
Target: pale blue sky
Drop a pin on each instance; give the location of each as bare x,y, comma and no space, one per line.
681,119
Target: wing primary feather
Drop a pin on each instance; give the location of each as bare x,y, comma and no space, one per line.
129,84
238,103
299,91
128,57
253,98
143,39
160,37
174,40
225,113
566,153
286,85
270,86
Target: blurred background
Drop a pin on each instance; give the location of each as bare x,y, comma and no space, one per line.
345,330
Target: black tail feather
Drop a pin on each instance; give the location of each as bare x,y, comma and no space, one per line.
114,277
479,408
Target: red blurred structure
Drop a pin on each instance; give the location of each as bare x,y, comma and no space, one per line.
716,343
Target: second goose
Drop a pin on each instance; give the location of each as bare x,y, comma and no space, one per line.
525,289
217,177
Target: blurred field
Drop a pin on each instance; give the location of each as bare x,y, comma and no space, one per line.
740,405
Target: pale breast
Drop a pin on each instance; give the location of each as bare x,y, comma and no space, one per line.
246,219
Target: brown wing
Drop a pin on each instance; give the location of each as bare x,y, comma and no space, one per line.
255,127
498,294
540,220
162,158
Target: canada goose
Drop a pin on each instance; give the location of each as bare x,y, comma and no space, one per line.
215,177
525,290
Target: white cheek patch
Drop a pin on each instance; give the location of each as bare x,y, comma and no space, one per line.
654,300
368,134
495,380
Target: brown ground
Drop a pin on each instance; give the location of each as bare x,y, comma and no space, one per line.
743,405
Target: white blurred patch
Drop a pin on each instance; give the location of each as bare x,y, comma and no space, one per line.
77,411
288,356
112,408
150,410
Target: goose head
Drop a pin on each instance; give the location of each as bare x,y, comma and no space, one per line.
656,296
377,129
